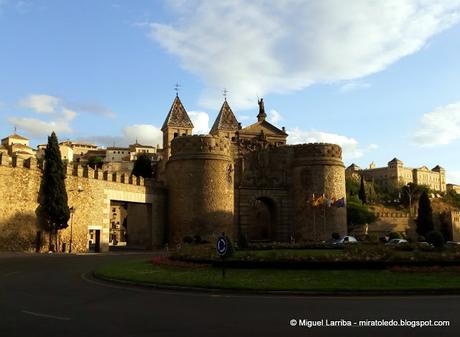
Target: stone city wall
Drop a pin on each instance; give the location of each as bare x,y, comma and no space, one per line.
89,193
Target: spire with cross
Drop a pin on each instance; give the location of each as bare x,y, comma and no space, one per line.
224,93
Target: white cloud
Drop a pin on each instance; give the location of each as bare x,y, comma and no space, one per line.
350,146
200,121
453,177
274,116
439,127
146,134
36,127
261,46
44,104
354,85
60,114
58,119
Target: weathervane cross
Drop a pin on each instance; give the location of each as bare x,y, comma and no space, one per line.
176,88
224,93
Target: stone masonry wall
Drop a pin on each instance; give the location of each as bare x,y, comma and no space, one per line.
200,187
89,192
317,169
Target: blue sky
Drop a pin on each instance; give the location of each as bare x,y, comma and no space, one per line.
382,79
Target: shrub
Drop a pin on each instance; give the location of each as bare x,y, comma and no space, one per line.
242,241
187,239
372,238
436,239
230,248
395,235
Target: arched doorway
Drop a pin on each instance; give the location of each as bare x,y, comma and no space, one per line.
263,220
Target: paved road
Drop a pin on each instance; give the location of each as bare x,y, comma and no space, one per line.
43,295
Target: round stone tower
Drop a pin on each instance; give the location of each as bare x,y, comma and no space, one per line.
200,187
318,171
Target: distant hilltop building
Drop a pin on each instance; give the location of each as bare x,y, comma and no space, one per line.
395,174
70,151
17,146
113,158
453,187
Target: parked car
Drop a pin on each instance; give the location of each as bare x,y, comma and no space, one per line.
453,243
395,242
346,239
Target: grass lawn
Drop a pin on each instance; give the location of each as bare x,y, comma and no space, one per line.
273,279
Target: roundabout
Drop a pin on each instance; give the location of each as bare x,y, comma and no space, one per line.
47,296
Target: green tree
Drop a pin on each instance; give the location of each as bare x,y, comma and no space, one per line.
53,209
358,214
425,215
411,192
95,162
143,167
362,191
452,198
352,187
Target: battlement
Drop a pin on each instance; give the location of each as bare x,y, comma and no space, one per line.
75,170
317,154
200,146
317,150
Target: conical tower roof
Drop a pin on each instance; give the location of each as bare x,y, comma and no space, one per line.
225,120
177,116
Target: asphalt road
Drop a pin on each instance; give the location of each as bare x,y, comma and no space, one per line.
48,295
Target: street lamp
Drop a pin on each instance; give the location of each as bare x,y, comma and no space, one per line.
72,211
410,194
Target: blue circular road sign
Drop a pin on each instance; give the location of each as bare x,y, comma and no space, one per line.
222,246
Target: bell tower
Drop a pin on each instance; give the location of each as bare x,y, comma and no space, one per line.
177,123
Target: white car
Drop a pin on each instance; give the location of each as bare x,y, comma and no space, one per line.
346,239
395,242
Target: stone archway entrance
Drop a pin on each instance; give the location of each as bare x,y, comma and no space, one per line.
263,220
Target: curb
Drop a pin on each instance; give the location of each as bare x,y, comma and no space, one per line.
230,291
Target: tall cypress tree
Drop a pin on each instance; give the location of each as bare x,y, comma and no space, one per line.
362,191
425,215
53,209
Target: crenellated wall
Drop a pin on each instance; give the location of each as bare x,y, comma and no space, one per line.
267,199
89,193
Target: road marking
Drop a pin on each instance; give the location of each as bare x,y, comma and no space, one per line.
45,315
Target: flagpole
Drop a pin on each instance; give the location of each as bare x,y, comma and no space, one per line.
324,216
314,216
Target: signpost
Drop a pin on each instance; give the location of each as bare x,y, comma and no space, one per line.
222,248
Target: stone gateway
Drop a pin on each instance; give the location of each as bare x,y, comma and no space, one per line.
244,181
